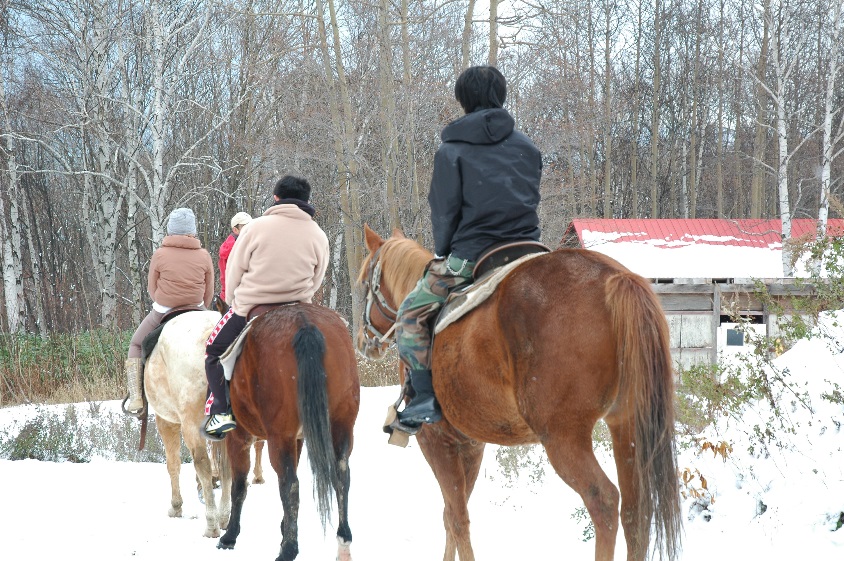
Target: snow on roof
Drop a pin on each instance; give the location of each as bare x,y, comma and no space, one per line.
695,248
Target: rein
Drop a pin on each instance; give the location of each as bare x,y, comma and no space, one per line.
374,297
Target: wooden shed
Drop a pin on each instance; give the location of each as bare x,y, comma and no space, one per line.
705,271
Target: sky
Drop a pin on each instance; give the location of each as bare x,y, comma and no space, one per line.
779,503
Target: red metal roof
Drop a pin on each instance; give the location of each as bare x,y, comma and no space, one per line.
712,231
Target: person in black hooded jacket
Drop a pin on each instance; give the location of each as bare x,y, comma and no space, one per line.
484,191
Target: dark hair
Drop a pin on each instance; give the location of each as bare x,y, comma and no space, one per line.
480,87
292,187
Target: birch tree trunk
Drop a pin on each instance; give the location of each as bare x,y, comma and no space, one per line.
637,108
608,139
493,32
757,180
343,123
410,121
10,234
655,111
387,100
830,141
466,39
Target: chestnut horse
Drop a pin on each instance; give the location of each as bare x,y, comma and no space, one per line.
568,338
176,388
296,381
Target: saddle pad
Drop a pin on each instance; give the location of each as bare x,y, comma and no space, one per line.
461,302
150,341
228,358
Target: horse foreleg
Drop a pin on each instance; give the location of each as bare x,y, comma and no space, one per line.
202,464
570,453
456,464
172,438
284,457
258,472
237,446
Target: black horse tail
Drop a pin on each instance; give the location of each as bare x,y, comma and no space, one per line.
309,346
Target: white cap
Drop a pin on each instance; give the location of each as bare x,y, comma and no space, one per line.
240,219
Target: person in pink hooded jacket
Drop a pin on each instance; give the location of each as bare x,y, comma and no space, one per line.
238,221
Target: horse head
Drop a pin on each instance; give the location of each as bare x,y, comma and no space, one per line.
388,273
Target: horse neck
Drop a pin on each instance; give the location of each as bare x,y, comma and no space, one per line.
415,259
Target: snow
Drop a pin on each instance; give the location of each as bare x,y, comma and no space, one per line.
690,257
109,510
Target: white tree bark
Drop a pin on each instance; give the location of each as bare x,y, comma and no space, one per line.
10,234
829,141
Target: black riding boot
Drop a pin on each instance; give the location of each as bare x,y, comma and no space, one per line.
423,408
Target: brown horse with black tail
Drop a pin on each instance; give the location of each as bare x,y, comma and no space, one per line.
567,338
296,383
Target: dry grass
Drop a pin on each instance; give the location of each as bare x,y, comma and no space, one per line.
62,368
88,366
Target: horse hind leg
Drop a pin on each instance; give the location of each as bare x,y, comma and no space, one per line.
237,444
573,459
258,471
171,437
284,456
636,527
341,488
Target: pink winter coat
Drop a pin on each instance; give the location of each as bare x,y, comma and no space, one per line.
225,250
181,273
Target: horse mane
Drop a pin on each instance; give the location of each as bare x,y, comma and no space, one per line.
403,262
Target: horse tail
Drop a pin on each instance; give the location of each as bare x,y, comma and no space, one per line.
220,457
309,347
647,386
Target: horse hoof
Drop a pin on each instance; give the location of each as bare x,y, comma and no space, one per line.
212,534
223,545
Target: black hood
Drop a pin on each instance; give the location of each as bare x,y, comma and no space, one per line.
485,126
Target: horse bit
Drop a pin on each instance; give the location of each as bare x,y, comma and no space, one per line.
373,338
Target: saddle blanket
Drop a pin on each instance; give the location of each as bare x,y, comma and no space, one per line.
228,358
461,302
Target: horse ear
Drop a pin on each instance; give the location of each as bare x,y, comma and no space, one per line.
373,240
397,233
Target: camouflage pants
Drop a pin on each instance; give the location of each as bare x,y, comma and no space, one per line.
419,310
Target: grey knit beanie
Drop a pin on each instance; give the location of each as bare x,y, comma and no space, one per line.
181,222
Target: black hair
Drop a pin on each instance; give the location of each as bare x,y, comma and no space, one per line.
292,187
480,87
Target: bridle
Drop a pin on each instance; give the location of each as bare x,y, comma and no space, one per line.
375,300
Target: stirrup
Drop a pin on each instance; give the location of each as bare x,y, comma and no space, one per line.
137,413
399,433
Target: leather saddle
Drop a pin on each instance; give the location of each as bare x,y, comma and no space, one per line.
504,253
151,340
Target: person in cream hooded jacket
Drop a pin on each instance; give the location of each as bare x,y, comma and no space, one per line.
279,257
